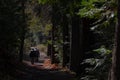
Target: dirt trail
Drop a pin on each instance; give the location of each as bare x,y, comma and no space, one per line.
43,70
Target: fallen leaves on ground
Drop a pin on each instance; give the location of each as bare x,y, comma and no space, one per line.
45,65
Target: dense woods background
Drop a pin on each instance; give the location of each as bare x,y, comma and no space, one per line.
81,32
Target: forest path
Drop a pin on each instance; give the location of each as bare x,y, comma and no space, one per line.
43,70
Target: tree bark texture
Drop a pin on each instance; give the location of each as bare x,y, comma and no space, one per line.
76,45
23,32
115,71
54,15
66,45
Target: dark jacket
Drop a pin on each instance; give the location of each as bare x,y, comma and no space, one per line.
33,54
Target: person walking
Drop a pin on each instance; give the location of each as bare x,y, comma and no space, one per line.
32,55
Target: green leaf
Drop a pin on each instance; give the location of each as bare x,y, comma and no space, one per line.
43,1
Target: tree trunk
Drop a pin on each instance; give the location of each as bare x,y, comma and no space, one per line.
76,45
49,50
115,71
53,32
52,45
66,44
49,45
23,31
21,49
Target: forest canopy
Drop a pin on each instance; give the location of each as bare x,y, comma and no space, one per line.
84,33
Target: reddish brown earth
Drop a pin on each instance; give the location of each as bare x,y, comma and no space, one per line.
43,70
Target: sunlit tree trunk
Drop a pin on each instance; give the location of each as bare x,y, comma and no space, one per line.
115,71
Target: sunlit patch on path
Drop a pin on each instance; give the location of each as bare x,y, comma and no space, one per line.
45,65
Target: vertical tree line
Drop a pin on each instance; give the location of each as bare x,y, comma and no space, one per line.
75,25
12,31
23,29
115,71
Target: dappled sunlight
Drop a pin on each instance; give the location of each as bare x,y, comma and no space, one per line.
47,65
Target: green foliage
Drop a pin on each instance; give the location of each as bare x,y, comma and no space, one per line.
102,13
91,13
42,1
42,47
49,42
35,25
47,29
102,51
97,9
90,8
47,1
99,65
38,25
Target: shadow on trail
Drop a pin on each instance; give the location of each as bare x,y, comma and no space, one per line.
33,73
42,70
